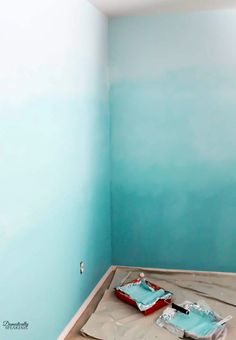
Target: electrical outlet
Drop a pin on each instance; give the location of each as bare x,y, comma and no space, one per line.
81,267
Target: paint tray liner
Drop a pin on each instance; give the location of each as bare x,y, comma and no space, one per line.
201,322
144,295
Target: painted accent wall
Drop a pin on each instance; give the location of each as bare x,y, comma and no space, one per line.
173,108
54,162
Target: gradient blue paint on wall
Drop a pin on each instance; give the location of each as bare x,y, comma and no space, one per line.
54,162
173,104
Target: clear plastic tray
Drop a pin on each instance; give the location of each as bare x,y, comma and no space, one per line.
200,323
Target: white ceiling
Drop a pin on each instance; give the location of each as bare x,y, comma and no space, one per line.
137,7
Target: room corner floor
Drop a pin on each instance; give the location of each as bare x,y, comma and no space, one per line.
108,318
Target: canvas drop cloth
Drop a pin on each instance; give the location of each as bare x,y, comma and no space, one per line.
115,320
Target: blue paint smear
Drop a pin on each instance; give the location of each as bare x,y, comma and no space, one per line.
141,293
194,323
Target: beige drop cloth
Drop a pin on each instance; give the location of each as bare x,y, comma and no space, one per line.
115,320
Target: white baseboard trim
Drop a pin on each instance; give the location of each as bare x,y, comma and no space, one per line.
184,271
82,308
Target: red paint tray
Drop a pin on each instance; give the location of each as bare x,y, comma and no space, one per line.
144,295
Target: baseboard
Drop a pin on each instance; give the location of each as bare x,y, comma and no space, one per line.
83,307
162,270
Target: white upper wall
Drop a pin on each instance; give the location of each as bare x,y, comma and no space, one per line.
136,7
44,48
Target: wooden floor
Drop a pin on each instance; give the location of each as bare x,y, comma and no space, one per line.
168,275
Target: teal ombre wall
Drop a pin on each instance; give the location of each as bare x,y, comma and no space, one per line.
173,104
54,162
173,107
